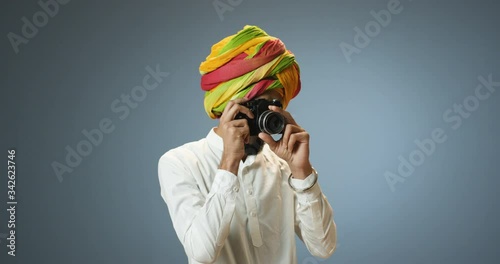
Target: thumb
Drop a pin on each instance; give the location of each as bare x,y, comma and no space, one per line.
268,139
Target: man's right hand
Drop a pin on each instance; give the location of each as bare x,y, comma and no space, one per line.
234,133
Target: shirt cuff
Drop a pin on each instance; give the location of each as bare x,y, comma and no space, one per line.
305,183
310,195
225,183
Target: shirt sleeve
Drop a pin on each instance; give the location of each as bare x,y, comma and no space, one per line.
201,221
314,223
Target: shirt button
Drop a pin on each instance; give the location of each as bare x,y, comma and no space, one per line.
253,214
235,189
249,192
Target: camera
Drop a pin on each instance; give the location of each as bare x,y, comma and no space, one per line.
264,120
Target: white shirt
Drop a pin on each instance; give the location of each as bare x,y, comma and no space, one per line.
249,218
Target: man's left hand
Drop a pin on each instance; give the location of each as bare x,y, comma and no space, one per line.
293,147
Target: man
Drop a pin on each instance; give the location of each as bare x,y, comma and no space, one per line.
239,198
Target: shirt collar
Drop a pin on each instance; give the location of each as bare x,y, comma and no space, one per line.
215,141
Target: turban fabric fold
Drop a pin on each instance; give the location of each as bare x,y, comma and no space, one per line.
247,64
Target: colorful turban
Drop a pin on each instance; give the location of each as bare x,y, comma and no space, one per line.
246,65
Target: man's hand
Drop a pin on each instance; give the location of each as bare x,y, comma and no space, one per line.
293,146
235,134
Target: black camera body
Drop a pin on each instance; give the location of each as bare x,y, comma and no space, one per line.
265,120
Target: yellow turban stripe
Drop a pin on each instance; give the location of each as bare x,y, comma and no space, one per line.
246,65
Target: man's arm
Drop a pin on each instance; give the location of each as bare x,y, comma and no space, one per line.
201,223
314,215
314,223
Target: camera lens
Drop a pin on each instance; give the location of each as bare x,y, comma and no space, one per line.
271,122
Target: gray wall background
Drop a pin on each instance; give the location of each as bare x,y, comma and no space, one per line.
361,116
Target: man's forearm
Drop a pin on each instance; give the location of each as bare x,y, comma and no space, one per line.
317,226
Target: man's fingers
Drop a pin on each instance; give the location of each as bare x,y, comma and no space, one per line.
268,139
242,109
234,109
227,117
237,129
289,130
239,100
297,137
286,135
238,123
